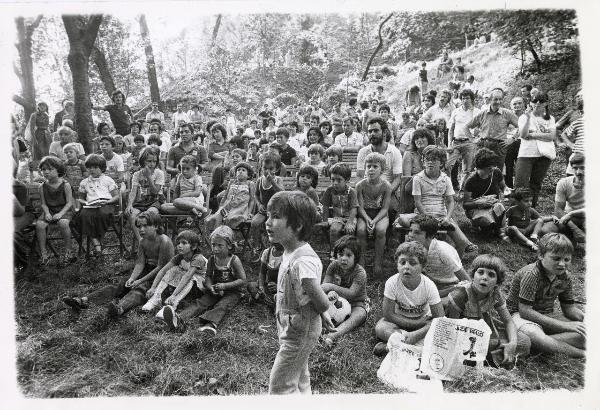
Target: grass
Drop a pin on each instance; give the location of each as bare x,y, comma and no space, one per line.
65,354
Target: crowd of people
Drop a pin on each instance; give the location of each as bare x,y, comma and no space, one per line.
407,178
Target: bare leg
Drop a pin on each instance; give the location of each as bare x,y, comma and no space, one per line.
40,228
572,338
361,233
358,316
380,233
65,230
551,344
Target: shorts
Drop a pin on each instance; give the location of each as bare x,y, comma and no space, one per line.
372,212
522,324
68,216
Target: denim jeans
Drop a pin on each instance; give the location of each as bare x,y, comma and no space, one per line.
220,306
512,151
299,332
466,151
530,172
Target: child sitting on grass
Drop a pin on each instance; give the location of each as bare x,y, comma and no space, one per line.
333,155
410,299
155,250
340,204
306,181
238,202
301,304
57,202
186,269
433,195
346,278
315,157
266,287
479,299
189,195
373,194
223,284
532,296
521,222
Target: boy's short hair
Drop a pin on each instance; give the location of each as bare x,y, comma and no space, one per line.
240,152
485,157
71,146
521,193
490,262
427,224
342,170
117,92
189,160
187,125
139,138
108,138
155,121
431,98
385,107
64,129
135,124
52,162
282,131
118,138
154,139
95,160
412,248
555,242
146,152
434,152
577,159
348,242
315,117
253,144
467,93
271,119
334,150
247,166
293,124
191,237
271,158
100,126
316,148
348,119
299,210
152,219
326,123
311,172
376,157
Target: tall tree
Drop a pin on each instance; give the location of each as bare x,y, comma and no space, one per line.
103,70
25,71
379,46
82,32
151,66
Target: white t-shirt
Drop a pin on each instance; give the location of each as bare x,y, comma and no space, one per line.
442,262
306,267
460,118
393,161
529,147
573,196
413,304
180,117
114,165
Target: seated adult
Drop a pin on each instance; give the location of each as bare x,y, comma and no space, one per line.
444,267
350,140
445,65
484,191
569,203
412,163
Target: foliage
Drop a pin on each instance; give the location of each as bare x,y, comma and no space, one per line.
285,99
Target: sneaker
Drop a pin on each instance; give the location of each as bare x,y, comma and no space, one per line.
170,317
74,303
209,327
380,349
113,310
150,305
471,248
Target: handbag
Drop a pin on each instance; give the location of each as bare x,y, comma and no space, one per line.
546,148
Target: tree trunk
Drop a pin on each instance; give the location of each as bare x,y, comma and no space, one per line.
535,55
150,65
25,71
216,30
103,70
82,33
379,46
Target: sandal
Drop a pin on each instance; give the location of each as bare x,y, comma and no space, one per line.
75,303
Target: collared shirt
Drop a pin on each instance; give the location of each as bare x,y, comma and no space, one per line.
531,286
155,116
492,125
393,161
177,152
432,192
354,140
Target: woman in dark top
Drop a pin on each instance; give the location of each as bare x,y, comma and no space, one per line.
484,190
218,150
120,113
40,134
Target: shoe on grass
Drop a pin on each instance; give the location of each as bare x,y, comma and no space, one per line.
113,311
170,318
75,303
209,327
150,305
380,349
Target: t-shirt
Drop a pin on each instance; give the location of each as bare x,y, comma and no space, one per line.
478,186
521,218
442,262
139,180
568,192
306,267
187,185
155,115
74,172
393,161
177,152
198,261
287,154
413,304
432,192
340,204
354,140
575,133
114,166
531,286
529,147
461,117
435,112
97,188
180,118
463,300
345,279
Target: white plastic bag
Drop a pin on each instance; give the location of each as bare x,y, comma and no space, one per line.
452,346
400,368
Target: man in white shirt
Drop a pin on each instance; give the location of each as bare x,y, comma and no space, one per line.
154,114
349,139
443,109
463,146
180,117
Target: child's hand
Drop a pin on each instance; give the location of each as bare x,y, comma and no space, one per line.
48,217
261,209
56,217
332,296
509,352
272,287
149,293
128,210
577,327
328,325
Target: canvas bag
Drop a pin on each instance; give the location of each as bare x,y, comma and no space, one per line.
546,148
400,368
452,346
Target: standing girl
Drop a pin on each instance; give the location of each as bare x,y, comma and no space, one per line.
238,202
39,133
57,202
100,193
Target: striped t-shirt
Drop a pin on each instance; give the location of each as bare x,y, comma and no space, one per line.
574,132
